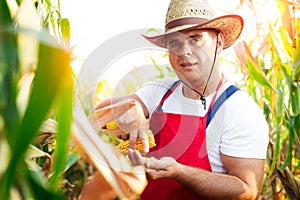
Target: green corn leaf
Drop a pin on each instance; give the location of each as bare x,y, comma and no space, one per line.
8,69
255,70
51,66
297,126
152,30
64,118
275,38
39,188
294,95
287,71
289,153
296,70
278,127
252,89
257,74
298,94
161,73
5,18
72,158
53,24
8,81
48,2
65,29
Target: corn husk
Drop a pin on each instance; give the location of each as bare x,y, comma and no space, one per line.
125,180
128,113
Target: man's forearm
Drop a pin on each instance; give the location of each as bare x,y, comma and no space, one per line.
213,185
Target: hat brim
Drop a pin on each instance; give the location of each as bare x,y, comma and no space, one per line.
230,26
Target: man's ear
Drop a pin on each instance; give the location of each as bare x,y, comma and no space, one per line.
220,43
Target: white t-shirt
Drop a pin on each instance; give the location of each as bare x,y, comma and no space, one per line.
238,128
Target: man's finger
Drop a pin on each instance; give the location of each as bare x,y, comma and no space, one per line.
132,157
133,138
135,157
145,140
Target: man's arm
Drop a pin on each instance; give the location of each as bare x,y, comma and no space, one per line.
112,100
145,110
243,180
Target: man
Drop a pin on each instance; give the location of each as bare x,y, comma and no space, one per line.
211,137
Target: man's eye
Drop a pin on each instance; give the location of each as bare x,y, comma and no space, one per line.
194,41
173,45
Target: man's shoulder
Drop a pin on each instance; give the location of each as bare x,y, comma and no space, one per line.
243,104
166,81
161,84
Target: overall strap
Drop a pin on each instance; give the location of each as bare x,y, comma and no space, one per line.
167,94
224,96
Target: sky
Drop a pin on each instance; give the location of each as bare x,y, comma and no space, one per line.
94,22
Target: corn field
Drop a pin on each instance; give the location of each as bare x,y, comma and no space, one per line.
37,157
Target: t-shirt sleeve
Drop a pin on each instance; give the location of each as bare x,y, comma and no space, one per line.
246,132
151,93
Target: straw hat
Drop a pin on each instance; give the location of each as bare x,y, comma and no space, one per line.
191,14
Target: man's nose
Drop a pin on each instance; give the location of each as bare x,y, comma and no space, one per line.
185,50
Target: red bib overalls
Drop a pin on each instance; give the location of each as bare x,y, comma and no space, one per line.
182,137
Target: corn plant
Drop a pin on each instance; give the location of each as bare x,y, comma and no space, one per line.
36,84
272,77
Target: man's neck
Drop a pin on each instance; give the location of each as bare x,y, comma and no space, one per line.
199,86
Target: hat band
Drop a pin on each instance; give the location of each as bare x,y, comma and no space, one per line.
185,21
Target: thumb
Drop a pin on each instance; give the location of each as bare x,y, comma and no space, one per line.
159,164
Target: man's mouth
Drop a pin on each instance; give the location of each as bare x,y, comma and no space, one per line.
188,64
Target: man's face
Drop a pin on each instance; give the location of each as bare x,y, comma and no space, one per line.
191,53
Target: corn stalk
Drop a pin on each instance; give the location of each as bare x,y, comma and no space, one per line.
36,81
273,79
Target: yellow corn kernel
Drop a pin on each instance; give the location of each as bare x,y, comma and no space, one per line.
124,145
111,125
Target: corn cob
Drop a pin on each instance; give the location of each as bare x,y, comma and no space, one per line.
124,145
111,125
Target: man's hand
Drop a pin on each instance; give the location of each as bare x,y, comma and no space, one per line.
165,167
135,124
130,114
